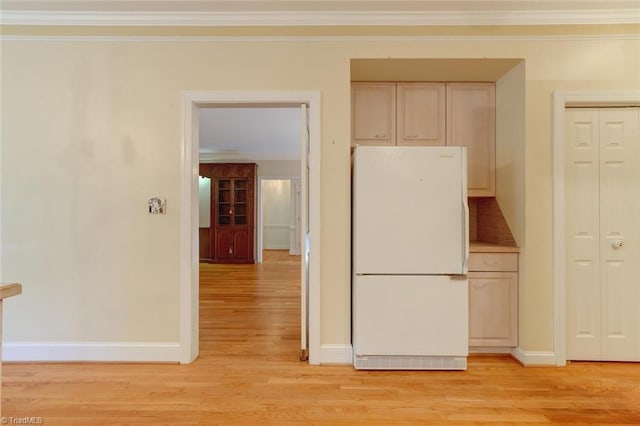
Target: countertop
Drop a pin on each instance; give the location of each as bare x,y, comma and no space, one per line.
482,247
8,290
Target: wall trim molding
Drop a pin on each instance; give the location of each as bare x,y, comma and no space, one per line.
535,358
307,39
336,354
323,18
90,352
562,99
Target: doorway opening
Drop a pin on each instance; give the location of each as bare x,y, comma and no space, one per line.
309,104
279,217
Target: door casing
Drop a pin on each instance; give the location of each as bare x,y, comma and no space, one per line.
189,214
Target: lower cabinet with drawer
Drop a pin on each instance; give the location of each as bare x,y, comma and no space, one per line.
493,300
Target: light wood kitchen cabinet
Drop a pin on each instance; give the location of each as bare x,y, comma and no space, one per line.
471,122
420,114
431,113
373,116
398,114
493,299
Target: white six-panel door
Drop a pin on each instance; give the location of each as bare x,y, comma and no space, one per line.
602,226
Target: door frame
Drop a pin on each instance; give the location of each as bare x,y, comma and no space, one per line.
192,101
561,100
260,210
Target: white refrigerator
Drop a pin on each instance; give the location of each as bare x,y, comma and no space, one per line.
410,255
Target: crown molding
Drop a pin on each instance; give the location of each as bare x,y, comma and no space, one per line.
314,18
308,39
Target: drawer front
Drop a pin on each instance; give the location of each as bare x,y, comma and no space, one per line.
493,262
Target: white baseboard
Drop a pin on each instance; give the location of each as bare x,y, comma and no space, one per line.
336,354
90,352
490,350
535,358
343,354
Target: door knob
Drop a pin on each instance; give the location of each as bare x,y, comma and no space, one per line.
618,244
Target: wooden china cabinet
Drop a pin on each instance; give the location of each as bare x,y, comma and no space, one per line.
231,236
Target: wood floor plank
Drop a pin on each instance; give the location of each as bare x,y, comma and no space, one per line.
248,373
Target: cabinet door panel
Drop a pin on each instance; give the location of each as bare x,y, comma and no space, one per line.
373,114
241,244
421,114
471,123
224,244
493,309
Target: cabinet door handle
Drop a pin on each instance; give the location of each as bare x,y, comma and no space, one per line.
412,136
230,211
230,250
381,136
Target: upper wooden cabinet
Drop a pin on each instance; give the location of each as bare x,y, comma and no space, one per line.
427,113
420,114
471,122
373,118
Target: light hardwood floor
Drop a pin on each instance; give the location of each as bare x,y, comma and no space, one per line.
248,373
272,255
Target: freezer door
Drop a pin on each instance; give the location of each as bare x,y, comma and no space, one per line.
409,210
410,316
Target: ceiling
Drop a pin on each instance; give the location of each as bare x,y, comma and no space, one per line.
250,133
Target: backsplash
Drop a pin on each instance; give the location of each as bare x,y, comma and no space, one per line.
487,224
473,219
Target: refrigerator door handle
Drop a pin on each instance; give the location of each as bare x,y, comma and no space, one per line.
465,243
459,277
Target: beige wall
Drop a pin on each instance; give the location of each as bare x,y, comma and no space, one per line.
279,168
91,130
510,177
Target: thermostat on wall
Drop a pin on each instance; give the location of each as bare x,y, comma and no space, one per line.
157,205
